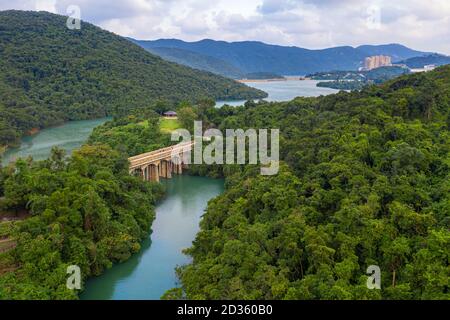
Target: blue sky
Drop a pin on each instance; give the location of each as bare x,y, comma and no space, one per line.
420,24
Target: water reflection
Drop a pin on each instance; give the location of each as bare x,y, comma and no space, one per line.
151,273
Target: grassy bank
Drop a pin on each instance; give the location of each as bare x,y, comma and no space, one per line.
169,125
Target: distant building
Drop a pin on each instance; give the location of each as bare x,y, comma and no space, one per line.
429,67
170,114
377,62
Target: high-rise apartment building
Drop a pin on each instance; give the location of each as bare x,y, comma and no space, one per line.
377,61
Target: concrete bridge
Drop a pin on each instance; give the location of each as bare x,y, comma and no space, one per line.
161,163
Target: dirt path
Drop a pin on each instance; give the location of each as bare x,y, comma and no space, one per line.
6,245
6,270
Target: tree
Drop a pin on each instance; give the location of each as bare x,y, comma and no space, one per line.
161,106
187,116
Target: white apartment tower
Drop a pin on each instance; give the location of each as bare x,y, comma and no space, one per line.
377,61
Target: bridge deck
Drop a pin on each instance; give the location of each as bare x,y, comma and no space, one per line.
158,155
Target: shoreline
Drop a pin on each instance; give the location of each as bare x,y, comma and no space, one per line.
33,131
92,283
260,80
36,131
273,80
29,133
3,150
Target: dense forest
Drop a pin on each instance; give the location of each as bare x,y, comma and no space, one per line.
356,80
85,211
377,75
50,74
134,134
342,84
420,62
364,180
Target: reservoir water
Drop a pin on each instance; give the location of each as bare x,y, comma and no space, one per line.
284,90
150,273
68,136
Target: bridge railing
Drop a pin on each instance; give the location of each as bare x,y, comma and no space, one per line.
158,155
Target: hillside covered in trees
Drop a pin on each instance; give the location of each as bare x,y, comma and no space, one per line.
356,80
85,210
50,74
420,62
364,180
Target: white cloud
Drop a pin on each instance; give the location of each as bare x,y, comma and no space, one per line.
420,24
46,5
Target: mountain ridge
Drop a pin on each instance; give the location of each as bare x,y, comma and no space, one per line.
197,61
395,50
420,62
257,56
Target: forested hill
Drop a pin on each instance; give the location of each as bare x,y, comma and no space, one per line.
364,180
420,62
49,74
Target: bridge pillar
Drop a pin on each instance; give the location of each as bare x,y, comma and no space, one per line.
157,173
162,171
179,164
174,164
166,169
160,167
180,168
185,160
144,173
169,169
154,173
147,173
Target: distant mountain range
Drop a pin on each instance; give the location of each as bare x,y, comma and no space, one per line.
420,62
197,61
397,52
234,59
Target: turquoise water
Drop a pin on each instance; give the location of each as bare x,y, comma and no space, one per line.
150,273
285,90
68,136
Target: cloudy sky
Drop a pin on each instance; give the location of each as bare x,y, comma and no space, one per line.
420,24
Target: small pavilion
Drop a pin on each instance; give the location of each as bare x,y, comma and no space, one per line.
170,114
